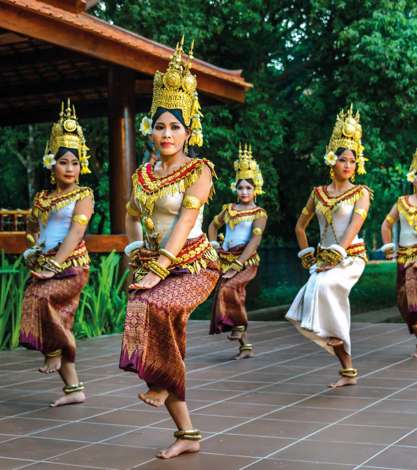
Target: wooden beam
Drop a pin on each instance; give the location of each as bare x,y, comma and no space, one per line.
15,243
122,137
98,39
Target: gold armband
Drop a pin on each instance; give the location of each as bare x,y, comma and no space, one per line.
390,219
80,219
361,212
50,264
305,211
191,202
217,222
132,211
30,239
168,254
257,231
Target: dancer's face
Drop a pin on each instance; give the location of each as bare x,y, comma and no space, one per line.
245,192
67,169
345,166
169,135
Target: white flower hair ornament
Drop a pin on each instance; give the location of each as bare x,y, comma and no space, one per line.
49,161
146,126
411,176
330,158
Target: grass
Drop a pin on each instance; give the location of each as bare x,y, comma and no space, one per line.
102,306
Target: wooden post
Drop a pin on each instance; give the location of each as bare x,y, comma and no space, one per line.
122,148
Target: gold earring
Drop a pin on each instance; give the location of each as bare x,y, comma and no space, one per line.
331,173
77,179
53,179
352,179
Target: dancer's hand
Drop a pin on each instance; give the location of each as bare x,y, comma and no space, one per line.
149,281
229,274
45,274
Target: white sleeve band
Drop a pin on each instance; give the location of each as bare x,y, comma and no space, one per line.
339,249
29,252
133,246
387,246
306,251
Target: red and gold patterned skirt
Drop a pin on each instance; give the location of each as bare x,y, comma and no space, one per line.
154,339
407,294
229,308
49,308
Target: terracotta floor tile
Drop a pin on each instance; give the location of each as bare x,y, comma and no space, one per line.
286,429
238,409
301,413
396,457
298,465
383,419
36,449
107,456
85,431
360,434
21,426
344,453
11,464
129,417
247,446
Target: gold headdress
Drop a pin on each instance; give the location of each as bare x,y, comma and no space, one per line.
412,172
247,168
347,133
177,89
66,132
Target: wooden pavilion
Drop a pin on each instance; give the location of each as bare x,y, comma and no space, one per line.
50,49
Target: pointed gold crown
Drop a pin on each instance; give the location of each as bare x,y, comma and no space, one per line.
347,133
413,166
177,89
67,132
247,168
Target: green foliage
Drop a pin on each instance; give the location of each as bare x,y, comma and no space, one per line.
13,277
102,306
306,60
103,303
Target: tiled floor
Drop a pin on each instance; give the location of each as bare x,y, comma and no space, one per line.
272,412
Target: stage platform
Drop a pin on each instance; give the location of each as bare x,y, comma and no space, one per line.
272,412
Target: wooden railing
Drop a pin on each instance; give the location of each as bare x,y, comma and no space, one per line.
13,220
13,239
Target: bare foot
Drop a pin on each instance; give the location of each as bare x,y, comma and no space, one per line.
343,382
244,355
70,399
52,364
180,446
414,355
334,342
154,397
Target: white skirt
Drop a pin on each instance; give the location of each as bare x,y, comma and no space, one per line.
321,308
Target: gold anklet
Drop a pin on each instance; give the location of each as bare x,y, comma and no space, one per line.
239,329
349,372
246,347
189,435
73,388
56,353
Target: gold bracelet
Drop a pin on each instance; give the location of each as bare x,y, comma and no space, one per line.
50,264
168,254
80,219
56,353
390,219
257,231
132,211
308,260
216,221
361,212
237,265
157,269
191,202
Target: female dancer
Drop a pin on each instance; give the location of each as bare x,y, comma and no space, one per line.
176,267
405,210
245,223
321,309
58,259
